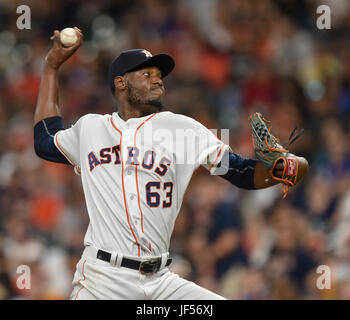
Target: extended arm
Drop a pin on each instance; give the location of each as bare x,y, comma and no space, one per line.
262,177
249,173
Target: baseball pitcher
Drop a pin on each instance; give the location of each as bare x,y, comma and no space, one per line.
135,165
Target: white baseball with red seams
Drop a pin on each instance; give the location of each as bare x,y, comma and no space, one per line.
68,37
134,175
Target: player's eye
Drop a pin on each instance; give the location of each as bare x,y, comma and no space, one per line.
147,74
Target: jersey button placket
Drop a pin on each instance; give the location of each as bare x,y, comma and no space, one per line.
132,196
129,174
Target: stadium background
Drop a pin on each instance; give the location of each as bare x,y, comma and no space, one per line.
233,57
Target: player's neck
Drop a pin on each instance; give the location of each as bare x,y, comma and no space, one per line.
132,112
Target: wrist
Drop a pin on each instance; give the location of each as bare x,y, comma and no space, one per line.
49,66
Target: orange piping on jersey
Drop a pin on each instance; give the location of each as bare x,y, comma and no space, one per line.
124,197
216,157
76,296
219,151
115,126
149,118
59,147
136,175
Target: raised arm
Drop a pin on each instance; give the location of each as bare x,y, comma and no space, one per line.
47,103
47,116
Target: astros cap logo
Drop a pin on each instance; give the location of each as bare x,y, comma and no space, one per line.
147,53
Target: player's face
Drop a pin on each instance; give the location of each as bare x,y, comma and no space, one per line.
145,86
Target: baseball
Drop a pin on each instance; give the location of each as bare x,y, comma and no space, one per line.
68,37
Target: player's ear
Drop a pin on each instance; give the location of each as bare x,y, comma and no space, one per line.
120,83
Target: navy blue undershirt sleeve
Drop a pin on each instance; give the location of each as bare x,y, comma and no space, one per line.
44,146
240,172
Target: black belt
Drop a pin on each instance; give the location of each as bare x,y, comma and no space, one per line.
145,267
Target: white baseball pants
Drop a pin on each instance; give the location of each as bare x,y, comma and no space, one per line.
96,279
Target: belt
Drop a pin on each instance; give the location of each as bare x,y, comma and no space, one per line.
145,267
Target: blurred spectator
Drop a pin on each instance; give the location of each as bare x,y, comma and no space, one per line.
224,237
289,259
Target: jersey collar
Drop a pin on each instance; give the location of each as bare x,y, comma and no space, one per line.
130,122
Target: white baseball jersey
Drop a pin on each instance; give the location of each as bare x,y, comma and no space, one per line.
134,175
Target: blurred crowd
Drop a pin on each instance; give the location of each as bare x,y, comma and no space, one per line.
233,57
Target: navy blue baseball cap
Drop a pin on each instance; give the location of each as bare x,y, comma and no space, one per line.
135,59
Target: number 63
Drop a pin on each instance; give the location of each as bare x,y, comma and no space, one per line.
153,196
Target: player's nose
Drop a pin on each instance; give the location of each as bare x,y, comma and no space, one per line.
158,81
158,84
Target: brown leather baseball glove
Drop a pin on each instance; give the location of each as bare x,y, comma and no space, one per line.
270,152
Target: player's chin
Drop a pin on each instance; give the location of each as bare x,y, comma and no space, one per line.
155,104
156,94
